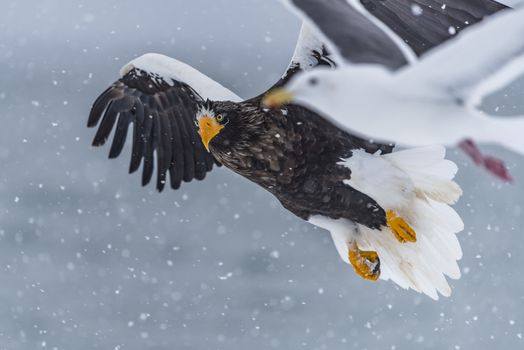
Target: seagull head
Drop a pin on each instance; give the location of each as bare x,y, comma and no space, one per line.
304,88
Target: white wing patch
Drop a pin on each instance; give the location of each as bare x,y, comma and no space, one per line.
170,69
307,43
380,179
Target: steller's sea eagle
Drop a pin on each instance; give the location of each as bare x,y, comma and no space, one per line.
387,211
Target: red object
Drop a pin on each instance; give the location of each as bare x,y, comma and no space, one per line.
493,165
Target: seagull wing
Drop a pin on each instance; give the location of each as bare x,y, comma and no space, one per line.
492,63
425,24
159,96
349,33
481,60
389,32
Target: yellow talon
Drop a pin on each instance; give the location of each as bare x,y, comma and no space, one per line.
400,228
365,263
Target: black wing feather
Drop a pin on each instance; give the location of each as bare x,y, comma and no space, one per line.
177,166
189,156
138,149
162,114
119,139
149,164
108,121
101,103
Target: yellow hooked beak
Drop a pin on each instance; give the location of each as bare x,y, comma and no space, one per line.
207,129
277,98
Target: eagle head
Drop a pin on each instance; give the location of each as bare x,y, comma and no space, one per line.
210,121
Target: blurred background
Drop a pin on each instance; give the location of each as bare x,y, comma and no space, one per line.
91,260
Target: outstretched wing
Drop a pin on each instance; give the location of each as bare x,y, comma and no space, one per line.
389,32
159,96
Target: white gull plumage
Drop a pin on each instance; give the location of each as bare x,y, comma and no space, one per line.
431,101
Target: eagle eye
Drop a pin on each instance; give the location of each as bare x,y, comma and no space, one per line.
220,118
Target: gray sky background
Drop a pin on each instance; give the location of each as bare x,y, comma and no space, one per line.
90,260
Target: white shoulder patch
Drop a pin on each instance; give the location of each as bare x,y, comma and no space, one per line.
380,179
170,69
306,44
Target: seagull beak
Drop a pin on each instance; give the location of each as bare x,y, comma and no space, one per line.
277,98
207,129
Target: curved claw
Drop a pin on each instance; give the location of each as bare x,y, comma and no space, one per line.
400,228
365,263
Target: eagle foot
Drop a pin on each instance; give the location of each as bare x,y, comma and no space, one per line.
400,228
365,263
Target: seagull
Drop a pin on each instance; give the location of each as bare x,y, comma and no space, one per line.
392,90
389,212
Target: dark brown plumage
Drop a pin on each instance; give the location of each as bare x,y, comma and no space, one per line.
294,154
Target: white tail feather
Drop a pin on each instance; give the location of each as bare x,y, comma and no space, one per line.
429,171
418,185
